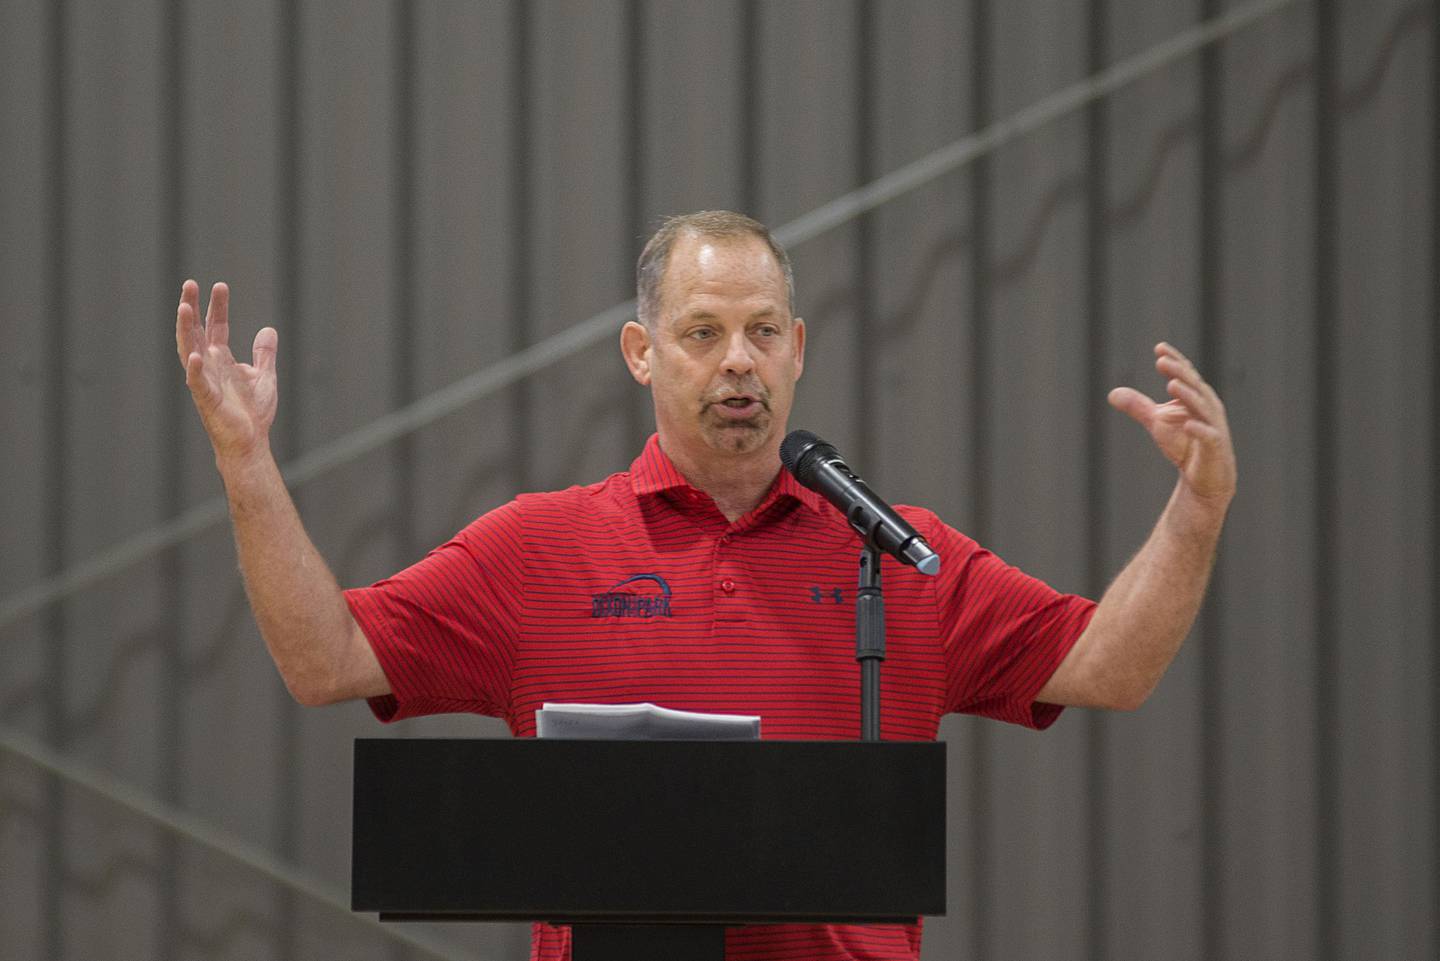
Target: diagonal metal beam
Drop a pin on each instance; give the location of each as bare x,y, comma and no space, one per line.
197,831
587,333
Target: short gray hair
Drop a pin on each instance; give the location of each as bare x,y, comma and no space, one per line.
720,224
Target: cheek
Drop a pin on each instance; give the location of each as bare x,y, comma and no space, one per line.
674,395
783,374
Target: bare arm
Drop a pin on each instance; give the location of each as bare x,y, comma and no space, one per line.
1141,621
320,650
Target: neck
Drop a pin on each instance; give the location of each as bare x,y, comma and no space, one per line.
737,483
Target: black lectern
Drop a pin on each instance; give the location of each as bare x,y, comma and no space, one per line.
649,848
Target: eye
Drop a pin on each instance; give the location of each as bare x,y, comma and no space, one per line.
701,334
767,330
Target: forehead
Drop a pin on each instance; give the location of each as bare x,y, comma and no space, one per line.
713,270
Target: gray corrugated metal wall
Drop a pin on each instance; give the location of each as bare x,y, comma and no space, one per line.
412,191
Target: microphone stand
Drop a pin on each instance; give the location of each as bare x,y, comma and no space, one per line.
869,641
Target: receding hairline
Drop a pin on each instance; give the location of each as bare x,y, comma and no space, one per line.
720,225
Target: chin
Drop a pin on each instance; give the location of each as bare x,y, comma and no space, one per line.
740,439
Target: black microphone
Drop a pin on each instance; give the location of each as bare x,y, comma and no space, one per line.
818,466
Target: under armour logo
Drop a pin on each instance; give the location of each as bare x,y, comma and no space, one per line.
820,597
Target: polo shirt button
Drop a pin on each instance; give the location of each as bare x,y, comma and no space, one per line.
724,538
728,586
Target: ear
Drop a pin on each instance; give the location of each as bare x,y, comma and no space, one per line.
635,348
799,328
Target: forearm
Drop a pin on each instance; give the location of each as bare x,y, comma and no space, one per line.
297,602
1145,615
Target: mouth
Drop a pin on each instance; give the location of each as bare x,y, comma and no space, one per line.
738,407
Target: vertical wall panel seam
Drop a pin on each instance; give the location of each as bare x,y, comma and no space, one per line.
1211,908
979,796
405,522
980,270
1097,143
288,198
632,146
171,728
57,416
1329,927
288,219
1434,793
404,517
749,140
863,355
58,354
521,322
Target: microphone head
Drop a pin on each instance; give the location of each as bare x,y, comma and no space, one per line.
795,444
800,451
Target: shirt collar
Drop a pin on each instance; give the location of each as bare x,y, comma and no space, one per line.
654,473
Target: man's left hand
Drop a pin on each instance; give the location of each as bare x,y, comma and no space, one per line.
1190,429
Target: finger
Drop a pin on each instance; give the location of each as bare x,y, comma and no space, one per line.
263,353
1203,432
1196,402
1170,362
1205,399
195,380
1167,349
1130,401
187,329
190,294
187,332
217,317
1178,365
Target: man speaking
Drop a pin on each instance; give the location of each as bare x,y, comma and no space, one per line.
706,577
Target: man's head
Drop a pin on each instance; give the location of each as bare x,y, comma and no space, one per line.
717,343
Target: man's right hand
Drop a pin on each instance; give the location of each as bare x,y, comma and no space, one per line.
236,401
320,650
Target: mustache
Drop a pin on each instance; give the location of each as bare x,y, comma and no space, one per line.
754,389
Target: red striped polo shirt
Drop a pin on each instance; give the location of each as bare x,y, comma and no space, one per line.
638,589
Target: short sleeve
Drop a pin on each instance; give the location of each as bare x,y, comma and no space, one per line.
444,629
1003,632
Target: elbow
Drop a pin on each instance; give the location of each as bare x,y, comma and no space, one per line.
1130,698
1127,704
310,691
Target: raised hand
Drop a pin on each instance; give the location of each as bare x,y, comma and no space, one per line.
1190,429
236,401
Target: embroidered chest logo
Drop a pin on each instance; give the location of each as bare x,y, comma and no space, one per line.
834,595
640,595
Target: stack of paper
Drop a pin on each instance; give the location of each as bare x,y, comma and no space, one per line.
641,722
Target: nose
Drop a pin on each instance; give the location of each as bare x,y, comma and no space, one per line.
738,356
